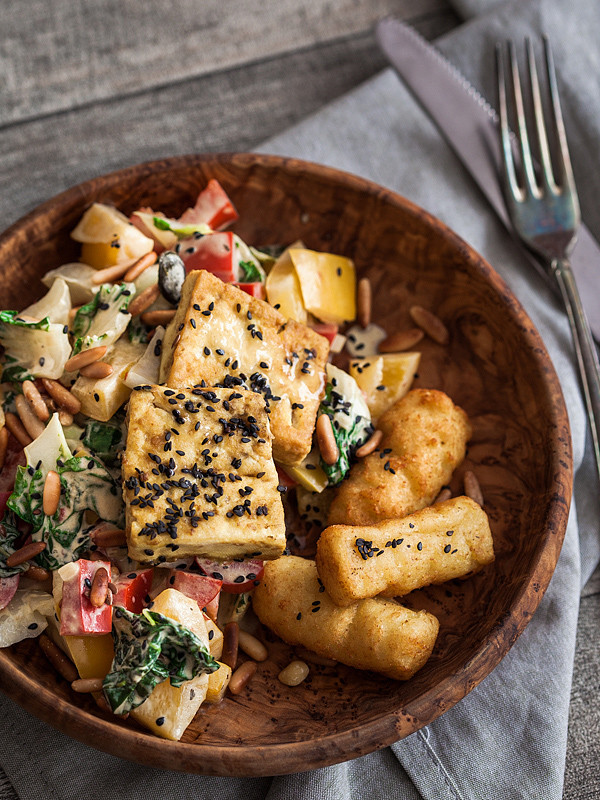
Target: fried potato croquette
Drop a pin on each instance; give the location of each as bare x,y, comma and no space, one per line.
424,440
449,540
225,337
378,635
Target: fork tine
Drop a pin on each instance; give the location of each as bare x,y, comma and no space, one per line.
530,179
565,171
542,136
508,163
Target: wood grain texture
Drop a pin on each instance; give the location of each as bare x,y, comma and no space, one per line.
495,367
232,110
77,53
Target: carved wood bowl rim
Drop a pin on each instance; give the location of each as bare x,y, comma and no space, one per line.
292,756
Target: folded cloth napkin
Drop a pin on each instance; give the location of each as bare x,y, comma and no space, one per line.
507,738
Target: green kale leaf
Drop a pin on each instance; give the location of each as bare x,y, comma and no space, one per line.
149,649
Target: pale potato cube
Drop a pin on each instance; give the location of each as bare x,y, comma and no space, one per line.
215,638
102,398
108,237
217,684
169,710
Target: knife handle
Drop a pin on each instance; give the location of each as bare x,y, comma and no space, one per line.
587,355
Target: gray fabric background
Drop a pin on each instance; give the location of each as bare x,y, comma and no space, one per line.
507,739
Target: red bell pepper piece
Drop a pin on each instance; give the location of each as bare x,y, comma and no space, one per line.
255,289
78,617
132,589
213,207
214,252
201,588
327,329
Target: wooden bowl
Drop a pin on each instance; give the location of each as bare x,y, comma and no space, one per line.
495,367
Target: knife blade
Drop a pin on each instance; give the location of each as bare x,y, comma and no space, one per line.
469,125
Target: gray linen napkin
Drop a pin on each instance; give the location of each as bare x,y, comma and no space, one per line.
507,739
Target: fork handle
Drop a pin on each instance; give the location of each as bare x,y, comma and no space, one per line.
585,349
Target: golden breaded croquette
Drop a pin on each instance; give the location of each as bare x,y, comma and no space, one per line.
424,440
379,635
225,337
390,559
198,476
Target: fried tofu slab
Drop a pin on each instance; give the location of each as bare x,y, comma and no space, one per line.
225,337
198,476
378,635
390,559
424,440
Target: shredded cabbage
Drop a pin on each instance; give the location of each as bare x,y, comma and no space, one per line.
105,318
33,349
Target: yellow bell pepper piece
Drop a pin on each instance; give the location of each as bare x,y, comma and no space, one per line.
385,379
328,284
283,287
309,472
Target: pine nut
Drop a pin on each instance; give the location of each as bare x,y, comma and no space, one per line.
102,703
242,677
144,300
430,323
87,685
230,644
313,658
158,317
364,302
27,318
110,538
402,340
73,313
326,440
150,334
110,274
294,673
98,370
472,487
99,588
112,588
38,573
252,646
140,265
370,445
444,495
58,659
3,445
65,418
51,495
62,396
36,401
32,424
15,426
24,553
85,358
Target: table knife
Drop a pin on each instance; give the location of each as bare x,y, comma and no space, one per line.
469,125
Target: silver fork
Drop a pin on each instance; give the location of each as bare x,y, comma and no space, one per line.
543,205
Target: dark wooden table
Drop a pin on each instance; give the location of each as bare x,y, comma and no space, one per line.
90,86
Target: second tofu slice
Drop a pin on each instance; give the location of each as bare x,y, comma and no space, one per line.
225,337
199,478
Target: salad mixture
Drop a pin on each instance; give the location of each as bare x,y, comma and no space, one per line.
182,416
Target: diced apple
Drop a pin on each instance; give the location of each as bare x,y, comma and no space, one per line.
385,379
201,588
328,284
109,238
169,710
100,399
77,614
215,638
144,222
283,288
255,289
217,684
